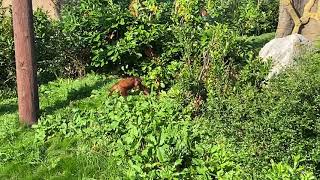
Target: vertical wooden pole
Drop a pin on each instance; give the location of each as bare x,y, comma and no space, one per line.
28,98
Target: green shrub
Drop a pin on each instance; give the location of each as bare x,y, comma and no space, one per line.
109,37
147,135
274,122
103,36
285,171
7,63
83,133
49,48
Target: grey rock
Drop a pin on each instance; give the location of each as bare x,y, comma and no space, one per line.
283,52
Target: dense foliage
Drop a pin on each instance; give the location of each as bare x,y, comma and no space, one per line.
151,38
208,115
83,133
6,53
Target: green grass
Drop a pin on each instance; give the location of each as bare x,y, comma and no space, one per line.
22,157
74,139
83,133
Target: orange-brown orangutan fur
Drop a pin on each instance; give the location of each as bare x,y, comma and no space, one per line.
124,85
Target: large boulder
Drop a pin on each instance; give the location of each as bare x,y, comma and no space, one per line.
283,51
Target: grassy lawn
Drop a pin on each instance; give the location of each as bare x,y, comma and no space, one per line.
23,155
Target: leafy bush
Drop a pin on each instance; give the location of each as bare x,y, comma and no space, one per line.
273,122
214,119
85,134
152,138
285,171
49,48
248,17
107,36
120,35
7,62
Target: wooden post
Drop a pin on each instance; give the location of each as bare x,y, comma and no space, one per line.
28,98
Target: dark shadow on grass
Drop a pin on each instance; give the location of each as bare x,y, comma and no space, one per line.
74,95
8,108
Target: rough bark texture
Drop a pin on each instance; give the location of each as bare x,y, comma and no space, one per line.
311,30
28,99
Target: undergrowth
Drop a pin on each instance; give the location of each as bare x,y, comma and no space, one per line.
84,133
208,115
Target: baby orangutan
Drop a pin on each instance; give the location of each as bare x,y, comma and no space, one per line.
124,85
